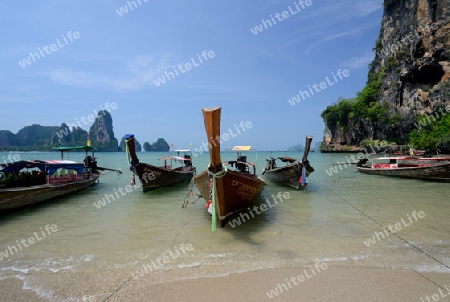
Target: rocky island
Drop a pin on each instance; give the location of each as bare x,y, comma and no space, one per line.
46,138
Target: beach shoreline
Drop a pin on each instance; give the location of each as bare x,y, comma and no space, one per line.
335,283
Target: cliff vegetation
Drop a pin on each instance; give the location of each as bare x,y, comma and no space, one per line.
406,99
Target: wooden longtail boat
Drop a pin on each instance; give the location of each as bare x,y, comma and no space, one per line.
153,177
27,182
237,185
437,168
294,173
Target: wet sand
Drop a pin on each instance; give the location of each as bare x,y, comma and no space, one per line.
332,284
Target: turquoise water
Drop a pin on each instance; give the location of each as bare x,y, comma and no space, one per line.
329,221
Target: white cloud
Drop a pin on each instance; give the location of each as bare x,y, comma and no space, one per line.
138,74
359,62
367,7
353,32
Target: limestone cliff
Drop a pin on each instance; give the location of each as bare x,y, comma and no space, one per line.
44,138
101,133
409,77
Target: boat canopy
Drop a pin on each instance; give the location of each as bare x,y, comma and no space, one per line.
287,159
85,148
241,148
44,165
173,158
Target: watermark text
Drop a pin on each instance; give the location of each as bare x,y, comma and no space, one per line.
245,216
266,24
49,49
296,280
23,243
377,236
316,88
170,75
243,126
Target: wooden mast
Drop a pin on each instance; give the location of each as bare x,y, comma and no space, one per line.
211,117
307,148
129,139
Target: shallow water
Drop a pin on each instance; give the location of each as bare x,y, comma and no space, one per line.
329,220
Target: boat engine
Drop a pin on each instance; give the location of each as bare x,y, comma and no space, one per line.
90,162
240,163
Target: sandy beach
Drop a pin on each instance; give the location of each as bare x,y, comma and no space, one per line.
333,284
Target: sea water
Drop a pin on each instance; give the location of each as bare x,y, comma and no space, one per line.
342,218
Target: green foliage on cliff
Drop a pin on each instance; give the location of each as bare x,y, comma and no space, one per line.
41,138
434,134
36,135
337,115
8,138
47,138
159,145
64,136
365,105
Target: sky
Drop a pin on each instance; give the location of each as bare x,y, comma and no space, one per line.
156,63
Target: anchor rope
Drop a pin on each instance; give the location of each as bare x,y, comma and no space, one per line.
412,245
190,192
167,247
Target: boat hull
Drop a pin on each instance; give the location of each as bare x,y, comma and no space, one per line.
288,175
11,198
153,177
438,171
235,192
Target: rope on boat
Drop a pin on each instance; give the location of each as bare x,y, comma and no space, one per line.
182,227
190,193
401,238
106,173
215,176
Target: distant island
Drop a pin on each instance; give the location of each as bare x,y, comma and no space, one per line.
48,138
300,147
296,148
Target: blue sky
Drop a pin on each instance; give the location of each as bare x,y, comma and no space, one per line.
118,57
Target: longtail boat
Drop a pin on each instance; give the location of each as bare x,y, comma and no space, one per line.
229,187
173,170
294,173
435,168
27,182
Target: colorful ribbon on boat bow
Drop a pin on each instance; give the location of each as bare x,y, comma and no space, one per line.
213,193
131,165
303,179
